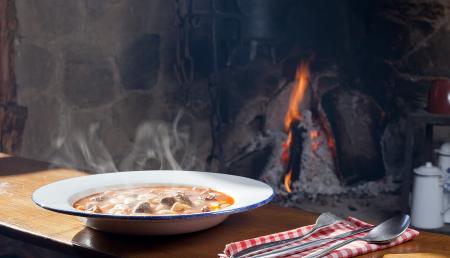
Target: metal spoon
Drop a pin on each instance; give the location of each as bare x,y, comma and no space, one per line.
385,232
325,219
308,245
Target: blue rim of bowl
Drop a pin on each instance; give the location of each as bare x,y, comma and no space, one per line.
160,217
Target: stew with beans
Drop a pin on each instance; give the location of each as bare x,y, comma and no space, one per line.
155,200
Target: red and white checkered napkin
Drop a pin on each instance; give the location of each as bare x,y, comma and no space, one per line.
353,249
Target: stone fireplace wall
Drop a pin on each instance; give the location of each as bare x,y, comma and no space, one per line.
92,73
405,48
106,65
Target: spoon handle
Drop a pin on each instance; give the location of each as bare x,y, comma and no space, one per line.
261,247
308,245
324,251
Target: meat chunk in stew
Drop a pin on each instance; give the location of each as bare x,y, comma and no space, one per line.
142,207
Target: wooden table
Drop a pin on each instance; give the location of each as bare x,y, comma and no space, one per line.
21,219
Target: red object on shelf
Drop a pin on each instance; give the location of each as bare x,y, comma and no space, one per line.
439,97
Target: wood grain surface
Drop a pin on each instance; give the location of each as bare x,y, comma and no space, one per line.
22,219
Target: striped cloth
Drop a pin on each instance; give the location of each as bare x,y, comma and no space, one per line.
353,249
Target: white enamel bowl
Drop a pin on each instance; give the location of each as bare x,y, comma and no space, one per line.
59,197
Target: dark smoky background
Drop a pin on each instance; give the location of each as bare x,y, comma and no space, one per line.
204,85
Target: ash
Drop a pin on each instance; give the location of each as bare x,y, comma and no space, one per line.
318,188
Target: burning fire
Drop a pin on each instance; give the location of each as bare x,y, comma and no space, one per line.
297,94
313,135
293,114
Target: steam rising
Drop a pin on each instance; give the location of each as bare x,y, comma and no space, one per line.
157,145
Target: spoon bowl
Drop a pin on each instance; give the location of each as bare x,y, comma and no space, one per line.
388,230
326,219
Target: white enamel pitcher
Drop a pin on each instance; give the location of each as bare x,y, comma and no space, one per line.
428,204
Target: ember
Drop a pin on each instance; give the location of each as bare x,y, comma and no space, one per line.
292,146
313,135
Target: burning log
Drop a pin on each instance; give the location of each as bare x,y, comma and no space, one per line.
292,147
355,120
293,167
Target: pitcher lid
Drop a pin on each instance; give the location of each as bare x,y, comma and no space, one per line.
444,149
428,170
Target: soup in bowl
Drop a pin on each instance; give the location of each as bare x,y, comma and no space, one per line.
155,200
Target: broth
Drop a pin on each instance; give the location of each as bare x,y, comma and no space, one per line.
155,200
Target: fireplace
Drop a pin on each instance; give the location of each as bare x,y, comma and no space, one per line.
311,97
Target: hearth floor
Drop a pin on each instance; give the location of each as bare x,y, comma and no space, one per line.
373,209
368,208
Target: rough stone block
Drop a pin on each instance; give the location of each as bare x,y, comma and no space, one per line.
12,120
97,8
251,165
88,77
41,128
397,26
114,24
34,67
48,17
139,63
131,111
88,141
431,58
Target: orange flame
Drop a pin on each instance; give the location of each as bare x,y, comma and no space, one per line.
313,135
293,114
297,94
287,181
331,146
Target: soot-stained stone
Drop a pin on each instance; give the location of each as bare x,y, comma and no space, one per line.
88,77
112,137
139,63
130,112
246,84
38,135
97,8
44,17
34,67
113,24
395,27
253,164
432,58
